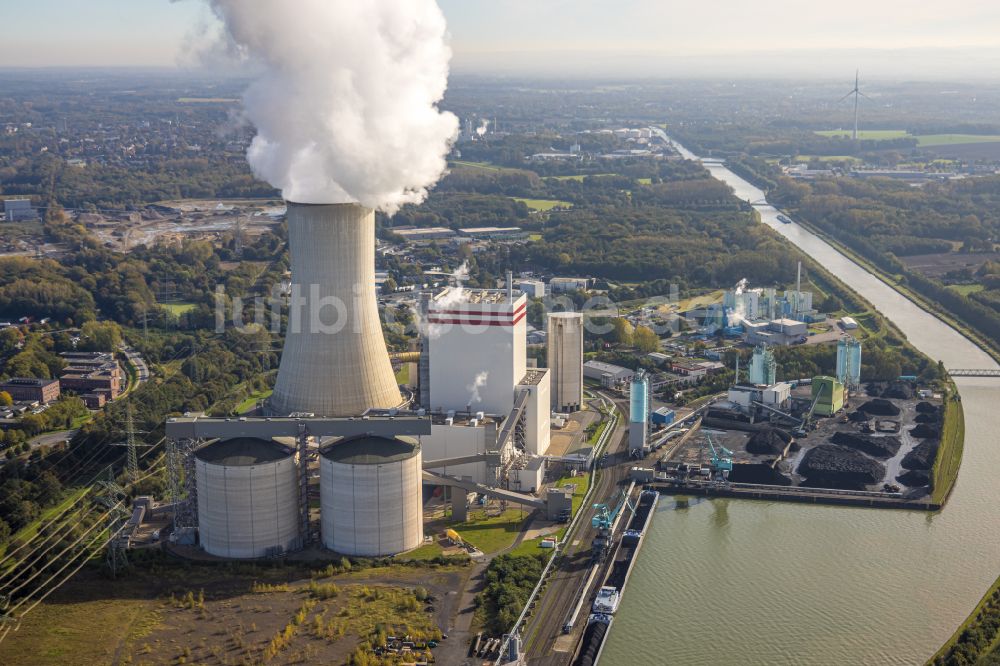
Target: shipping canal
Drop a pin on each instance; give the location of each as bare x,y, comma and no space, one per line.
752,582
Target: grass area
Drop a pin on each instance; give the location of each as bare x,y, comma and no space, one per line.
73,496
644,181
534,546
177,309
597,432
543,204
403,374
251,401
428,551
966,289
949,457
486,166
535,237
872,135
580,176
923,140
491,534
926,140
827,158
974,627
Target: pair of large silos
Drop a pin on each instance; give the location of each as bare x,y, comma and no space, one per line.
249,496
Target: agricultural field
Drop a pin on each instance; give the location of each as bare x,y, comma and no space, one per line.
870,135
938,264
580,176
923,140
543,204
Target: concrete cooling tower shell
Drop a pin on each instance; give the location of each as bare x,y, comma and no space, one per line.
370,496
247,497
334,361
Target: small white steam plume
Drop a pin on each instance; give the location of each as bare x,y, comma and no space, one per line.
346,104
473,388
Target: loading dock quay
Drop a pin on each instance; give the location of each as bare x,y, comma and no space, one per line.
673,486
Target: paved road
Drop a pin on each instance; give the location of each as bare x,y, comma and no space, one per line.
142,370
50,438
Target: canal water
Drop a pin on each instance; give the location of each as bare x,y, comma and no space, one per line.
746,582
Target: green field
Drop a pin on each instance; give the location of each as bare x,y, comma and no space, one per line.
874,135
949,457
826,158
491,534
251,401
177,309
403,374
73,495
644,181
923,140
966,289
580,176
534,546
543,204
927,140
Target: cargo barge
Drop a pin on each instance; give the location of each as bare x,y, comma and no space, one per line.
613,590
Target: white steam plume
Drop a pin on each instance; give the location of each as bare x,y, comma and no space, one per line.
346,104
473,388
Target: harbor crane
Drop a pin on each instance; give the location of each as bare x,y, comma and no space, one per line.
603,521
722,458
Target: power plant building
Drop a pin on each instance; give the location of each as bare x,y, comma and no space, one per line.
248,498
334,361
370,495
477,349
565,360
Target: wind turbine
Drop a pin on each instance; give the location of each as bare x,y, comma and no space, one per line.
857,93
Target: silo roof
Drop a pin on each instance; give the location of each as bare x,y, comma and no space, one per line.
242,451
371,450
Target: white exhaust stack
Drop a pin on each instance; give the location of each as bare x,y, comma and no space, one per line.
335,361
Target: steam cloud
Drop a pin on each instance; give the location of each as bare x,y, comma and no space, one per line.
473,388
346,105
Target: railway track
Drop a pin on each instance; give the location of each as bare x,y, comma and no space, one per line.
545,643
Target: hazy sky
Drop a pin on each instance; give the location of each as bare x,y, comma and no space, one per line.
573,37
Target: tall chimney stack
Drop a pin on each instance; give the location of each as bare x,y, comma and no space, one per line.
335,361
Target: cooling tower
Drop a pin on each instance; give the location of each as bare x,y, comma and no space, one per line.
334,361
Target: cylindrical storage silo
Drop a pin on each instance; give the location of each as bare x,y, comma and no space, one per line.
248,497
370,495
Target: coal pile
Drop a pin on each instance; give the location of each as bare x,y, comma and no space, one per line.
928,418
857,416
927,408
926,431
880,447
922,456
880,407
915,478
831,466
768,441
899,390
758,473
